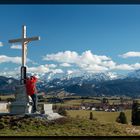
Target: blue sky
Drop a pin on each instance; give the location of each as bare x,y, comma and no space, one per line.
91,38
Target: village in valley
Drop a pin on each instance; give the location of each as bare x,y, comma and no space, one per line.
93,103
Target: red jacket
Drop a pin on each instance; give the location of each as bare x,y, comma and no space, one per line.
31,85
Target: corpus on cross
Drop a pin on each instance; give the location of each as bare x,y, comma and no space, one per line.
24,40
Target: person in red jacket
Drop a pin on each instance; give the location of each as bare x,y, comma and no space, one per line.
32,91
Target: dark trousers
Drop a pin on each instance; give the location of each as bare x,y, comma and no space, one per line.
35,100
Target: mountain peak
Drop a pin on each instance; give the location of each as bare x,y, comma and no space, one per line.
134,74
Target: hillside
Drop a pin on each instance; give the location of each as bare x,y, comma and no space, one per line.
128,87
7,85
26,126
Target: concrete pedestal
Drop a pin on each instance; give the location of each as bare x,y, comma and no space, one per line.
49,112
20,105
4,107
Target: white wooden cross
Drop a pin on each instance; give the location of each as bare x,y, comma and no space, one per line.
24,40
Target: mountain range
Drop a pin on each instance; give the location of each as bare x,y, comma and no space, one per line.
85,84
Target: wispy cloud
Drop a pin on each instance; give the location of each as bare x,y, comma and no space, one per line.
51,65
19,47
44,69
128,66
12,59
4,59
39,69
65,65
124,67
130,54
1,44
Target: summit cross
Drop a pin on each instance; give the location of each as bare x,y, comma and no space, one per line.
24,40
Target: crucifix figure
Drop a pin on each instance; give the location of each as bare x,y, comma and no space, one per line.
24,40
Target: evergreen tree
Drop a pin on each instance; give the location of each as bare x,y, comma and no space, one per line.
135,113
122,118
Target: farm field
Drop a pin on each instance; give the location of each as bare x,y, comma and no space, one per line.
78,101
77,123
101,116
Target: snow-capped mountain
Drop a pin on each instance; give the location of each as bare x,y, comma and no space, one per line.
82,84
80,76
134,74
71,79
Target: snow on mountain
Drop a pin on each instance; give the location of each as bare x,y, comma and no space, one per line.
82,84
112,75
79,79
134,74
67,76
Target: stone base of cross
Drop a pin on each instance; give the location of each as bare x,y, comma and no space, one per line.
20,105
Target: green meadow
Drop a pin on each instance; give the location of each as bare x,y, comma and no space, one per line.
101,116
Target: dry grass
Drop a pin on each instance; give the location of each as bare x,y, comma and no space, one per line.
5,97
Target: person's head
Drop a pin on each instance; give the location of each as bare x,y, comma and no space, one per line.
31,77
27,78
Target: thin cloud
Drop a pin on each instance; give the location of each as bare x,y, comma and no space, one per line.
51,65
19,47
10,59
39,69
1,44
44,69
130,54
124,67
65,65
6,59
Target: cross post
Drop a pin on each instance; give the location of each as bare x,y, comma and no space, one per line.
24,40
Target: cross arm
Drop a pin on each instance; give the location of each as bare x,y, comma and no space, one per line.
25,39
15,40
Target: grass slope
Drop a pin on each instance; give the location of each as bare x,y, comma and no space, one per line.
26,126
